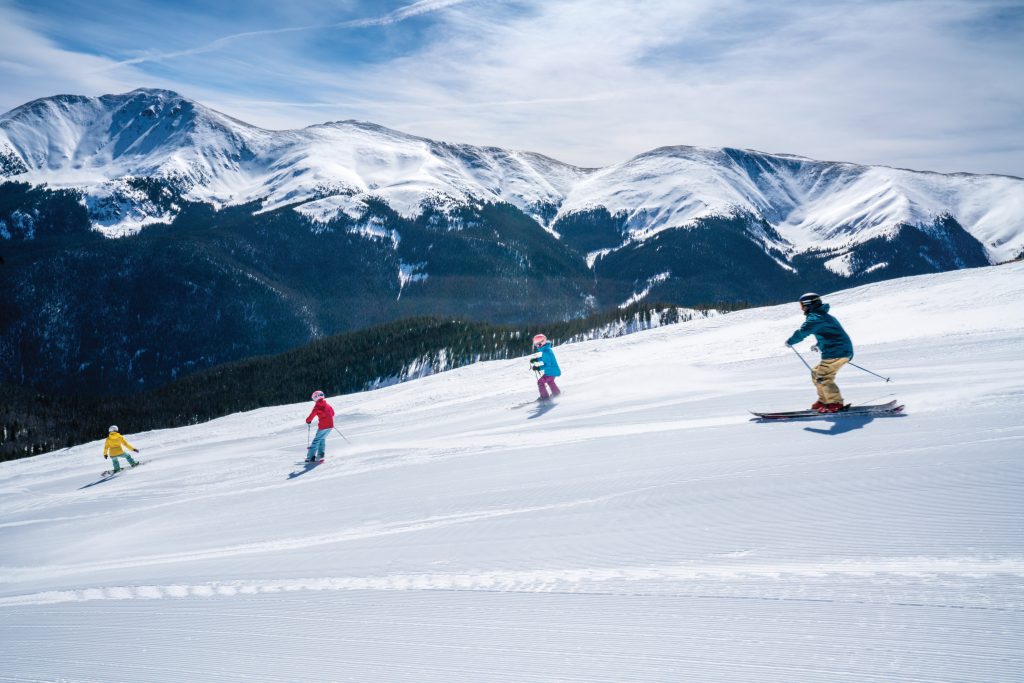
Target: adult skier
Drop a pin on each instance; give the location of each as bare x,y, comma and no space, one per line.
116,446
835,346
324,413
544,362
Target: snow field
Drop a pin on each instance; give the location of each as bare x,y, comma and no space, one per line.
641,529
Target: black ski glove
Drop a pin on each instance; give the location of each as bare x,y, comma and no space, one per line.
105,456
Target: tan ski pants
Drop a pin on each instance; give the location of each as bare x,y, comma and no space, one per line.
824,377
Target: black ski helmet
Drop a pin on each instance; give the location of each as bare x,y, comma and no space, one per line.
810,301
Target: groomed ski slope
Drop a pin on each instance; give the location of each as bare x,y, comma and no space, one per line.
643,529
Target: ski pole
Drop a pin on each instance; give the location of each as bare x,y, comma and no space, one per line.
307,435
870,373
342,435
800,357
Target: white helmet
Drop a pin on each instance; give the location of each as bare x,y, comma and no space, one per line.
810,302
113,428
317,395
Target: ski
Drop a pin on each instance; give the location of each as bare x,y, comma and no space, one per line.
524,404
891,407
550,399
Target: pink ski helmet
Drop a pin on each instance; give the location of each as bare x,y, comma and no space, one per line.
317,395
539,340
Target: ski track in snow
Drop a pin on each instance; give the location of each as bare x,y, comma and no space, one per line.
699,581
644,530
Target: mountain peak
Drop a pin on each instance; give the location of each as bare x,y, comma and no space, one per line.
86,142
155,92
367,126
65,102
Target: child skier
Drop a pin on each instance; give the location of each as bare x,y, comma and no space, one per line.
324,413
546,364
836,351
116,446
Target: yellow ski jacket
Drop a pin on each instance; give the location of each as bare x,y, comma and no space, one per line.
116,445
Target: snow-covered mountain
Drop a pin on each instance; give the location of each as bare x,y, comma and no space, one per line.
811,204
93,143
642,529
332,169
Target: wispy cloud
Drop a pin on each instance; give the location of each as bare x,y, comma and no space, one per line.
35,66
401,14
915,83
882,82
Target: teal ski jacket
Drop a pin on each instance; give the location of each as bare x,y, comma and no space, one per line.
548,363
833,342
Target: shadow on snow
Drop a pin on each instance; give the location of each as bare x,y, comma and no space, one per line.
542,407
106,477
307,466
849,423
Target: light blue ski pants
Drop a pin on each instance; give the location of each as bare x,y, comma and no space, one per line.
117,463
316,447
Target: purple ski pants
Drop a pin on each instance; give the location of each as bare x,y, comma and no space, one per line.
547,381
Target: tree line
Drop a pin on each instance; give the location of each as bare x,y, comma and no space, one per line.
33,422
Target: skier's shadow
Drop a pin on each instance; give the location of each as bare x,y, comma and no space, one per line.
542,408
98,481
842,425
306,468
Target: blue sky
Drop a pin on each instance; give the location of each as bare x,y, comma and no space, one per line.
927,84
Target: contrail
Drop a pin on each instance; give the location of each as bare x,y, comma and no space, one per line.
395,16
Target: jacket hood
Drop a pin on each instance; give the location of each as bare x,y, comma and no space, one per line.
820,309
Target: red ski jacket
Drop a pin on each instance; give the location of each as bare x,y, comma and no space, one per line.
324,412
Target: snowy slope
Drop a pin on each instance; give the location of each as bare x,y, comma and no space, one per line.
643,529
96,143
